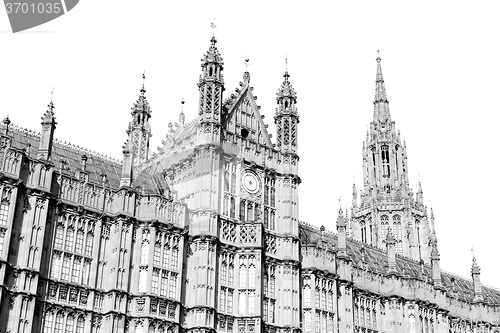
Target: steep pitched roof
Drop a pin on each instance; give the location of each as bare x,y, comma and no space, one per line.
69,156
376,261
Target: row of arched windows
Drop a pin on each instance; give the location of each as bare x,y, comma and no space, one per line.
59,322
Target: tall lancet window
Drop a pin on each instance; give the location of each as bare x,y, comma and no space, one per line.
386,169
396,226
363,231
384,226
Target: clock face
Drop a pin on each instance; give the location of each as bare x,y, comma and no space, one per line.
251,182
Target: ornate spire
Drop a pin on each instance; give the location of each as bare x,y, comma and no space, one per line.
47,134
142,104
212,57
139,129
286,118
341,219
354,196
286,91
475,270
49,117
381,109
433,225
434,251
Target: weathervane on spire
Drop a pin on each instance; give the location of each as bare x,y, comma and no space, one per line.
286,63
143,89
378,55
213,26
52,95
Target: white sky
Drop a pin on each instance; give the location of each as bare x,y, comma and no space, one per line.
440,61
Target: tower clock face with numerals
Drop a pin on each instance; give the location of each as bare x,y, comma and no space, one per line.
251,182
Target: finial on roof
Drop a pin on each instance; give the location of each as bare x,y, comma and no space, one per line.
143,89
246,75
52,95
378,56
182,117
213,26
381,104
475,267
286,63
7,121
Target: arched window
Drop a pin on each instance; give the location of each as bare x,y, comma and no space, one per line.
397,233
385,162
411,319
251,273
58,327
68,245
384,226
139,328
49,322
243,272
210,71
363,231
152,328
307,295
144,252
70,323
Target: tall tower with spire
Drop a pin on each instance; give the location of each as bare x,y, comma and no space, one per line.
139,129
386,200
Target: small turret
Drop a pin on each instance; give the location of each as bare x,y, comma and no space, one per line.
420,194
390,242
139,129
475,272
341,233
354,196
436,271
128,163
286,118
47,134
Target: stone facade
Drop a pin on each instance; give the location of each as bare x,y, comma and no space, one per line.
204,235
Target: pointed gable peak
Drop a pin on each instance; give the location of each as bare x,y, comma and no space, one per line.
381,104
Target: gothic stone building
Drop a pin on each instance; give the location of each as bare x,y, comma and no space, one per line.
204,236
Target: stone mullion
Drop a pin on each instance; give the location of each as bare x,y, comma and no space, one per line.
152,243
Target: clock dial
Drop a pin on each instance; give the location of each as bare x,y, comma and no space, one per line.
251,182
